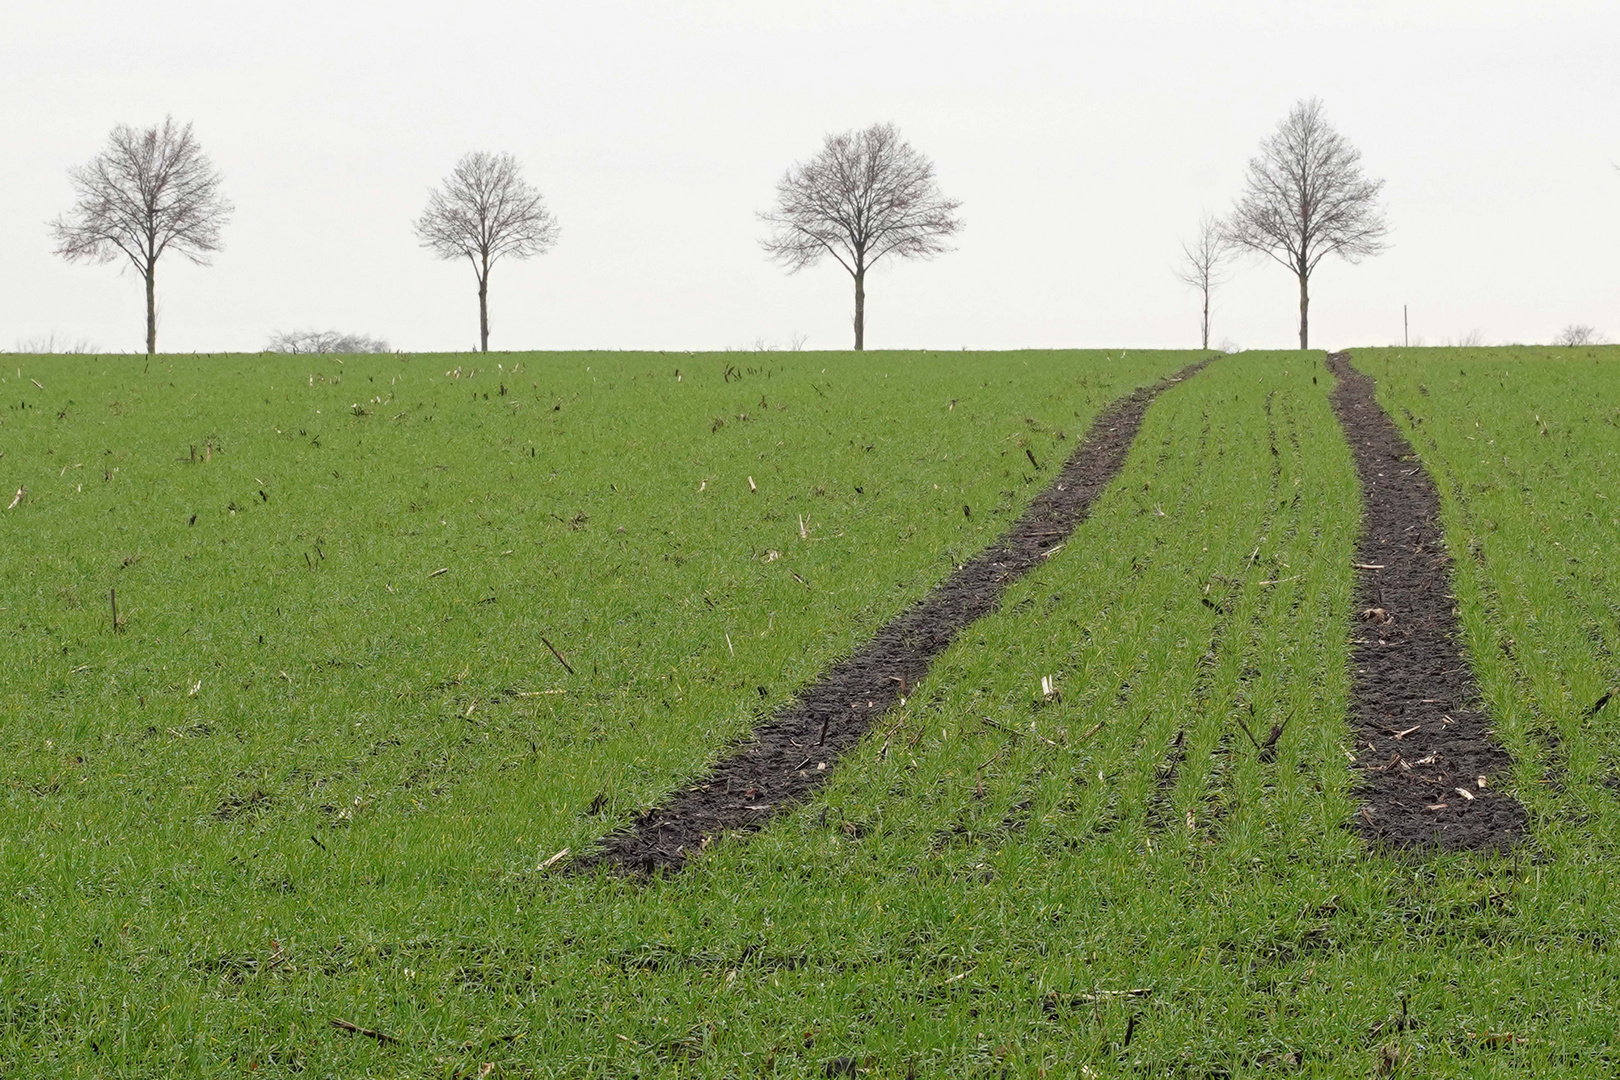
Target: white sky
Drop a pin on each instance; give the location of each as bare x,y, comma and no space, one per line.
1083,139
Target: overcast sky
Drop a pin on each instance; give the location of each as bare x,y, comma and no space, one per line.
1083,140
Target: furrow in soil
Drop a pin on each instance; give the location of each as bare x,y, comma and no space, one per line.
792,753
1430,766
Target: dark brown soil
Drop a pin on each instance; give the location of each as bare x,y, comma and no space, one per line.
791,754
1422,740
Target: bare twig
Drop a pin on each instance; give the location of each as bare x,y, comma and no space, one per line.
1104,995
557,654
356,1029
1268,749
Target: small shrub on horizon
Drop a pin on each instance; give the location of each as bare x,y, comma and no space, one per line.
1577,334
48,344
324,341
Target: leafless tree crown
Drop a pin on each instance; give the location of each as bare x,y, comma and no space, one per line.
1203,262
1204,257
149,191
486,211
866,195
152,190
324,342
1305,198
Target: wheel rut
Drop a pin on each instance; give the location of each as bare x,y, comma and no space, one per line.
1428,760
792,753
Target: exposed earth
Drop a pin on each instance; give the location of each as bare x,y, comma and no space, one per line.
1425,751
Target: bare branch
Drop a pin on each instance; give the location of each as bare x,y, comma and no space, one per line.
1306,198
150,191
866,195
485,212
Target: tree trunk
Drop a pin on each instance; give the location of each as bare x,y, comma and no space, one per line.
483,311
1304,309
151,307
860,309
1206,316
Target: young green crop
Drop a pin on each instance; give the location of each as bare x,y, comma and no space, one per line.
1112,882
971,902
329,698
980,892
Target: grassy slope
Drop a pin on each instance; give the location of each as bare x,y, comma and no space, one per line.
956,898
291,669
946,904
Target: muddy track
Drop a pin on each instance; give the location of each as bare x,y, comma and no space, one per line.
791,754
1428,762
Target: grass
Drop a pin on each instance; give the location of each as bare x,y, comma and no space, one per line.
300,707
981,885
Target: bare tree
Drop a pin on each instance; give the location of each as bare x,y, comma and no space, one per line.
1203,262
486,211
1577,334
324,342
151,190
1306,198
867,194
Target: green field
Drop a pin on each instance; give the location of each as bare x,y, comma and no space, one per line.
313,777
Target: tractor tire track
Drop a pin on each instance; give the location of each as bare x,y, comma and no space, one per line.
792,753
1428,761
